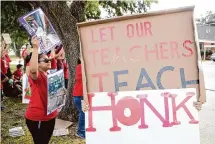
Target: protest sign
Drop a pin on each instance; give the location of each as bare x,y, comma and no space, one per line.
7,38
36,23
56,94
143,117
156,50
26,92
152,51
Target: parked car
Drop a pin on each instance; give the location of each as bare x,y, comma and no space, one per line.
213,57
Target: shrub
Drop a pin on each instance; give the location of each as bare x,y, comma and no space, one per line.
208,53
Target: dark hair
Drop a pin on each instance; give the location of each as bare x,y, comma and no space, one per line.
28,58
48,53
39,56
19,66
79,61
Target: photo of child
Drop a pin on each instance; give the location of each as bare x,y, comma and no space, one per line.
37,23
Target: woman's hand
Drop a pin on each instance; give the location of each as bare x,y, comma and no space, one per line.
197,105
85,107
35,42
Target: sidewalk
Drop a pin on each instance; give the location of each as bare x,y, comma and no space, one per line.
209,75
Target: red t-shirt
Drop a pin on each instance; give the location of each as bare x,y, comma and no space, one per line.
7,57
18,74
78,87
24,53
4,66
37,107
65,69
8,60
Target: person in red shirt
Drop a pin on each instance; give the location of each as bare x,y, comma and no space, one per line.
7,60
40,124
18,73
25,52
3,66
7,57
77,98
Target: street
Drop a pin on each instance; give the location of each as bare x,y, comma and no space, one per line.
207,114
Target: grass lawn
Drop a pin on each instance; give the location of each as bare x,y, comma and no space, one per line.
13,116
12,67
13,57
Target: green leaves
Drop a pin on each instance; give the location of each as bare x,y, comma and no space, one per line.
11,11
116,8
92,10
207,19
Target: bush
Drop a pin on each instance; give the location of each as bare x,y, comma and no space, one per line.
208,53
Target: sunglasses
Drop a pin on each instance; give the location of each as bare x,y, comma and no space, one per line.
45,60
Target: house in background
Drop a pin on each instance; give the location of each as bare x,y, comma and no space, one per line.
206,35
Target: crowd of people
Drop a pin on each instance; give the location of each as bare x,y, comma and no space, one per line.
11,82
37,67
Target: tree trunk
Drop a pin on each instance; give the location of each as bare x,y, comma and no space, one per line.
64,23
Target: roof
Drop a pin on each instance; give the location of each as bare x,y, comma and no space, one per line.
206,32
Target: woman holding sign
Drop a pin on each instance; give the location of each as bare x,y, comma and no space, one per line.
38,122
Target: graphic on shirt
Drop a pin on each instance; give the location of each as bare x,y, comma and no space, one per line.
36,23
56,95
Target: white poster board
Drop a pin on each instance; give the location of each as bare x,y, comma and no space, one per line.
25,89
143,117
7,38
56,96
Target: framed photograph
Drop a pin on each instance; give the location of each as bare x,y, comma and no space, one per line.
37,23
7,38
56,96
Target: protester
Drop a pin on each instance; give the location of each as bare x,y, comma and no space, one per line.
4,63
38,122
7,58
10,88
60,54
18,73
77,98
56,55
26,52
